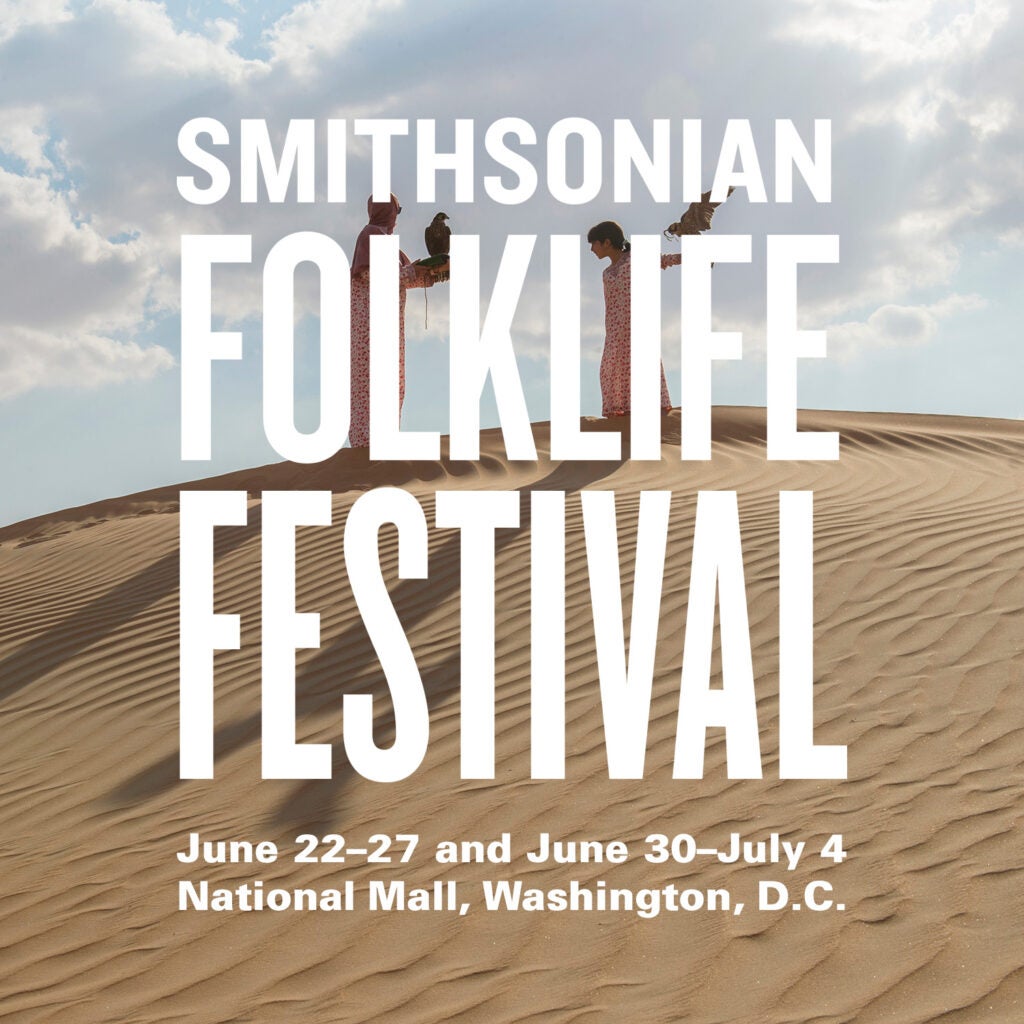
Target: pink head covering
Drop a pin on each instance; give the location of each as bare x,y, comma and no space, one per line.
382,218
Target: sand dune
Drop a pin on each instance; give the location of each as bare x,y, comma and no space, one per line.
919,580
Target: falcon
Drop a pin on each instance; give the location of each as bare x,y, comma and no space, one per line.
697,217
438,235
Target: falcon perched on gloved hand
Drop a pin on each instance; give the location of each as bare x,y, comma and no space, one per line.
438,236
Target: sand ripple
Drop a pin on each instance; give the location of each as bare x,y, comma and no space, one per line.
919,552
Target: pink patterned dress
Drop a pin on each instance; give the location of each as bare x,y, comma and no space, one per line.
359,427
615,360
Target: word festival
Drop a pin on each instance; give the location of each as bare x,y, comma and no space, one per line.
479,353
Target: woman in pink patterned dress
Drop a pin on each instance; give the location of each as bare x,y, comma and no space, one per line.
382,218
608,241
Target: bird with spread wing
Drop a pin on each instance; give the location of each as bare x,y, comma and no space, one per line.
697,217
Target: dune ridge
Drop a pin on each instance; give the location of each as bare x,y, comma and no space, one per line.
919,552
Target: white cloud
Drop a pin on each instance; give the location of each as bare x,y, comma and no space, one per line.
87,159
926,141
31,359
929,108
23,135
1012,238
154,45
62,272
66,200
898,33
222,31
16,15
321,28
897,326
68,286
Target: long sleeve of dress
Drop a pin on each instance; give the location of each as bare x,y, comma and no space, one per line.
412,276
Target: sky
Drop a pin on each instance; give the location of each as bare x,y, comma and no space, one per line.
923,97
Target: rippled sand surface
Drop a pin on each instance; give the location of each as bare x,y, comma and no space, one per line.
919,586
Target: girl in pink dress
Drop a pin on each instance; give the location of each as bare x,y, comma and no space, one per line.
608,241
382,218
